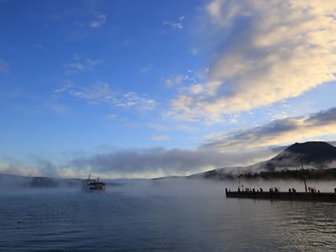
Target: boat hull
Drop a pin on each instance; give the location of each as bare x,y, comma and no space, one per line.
93,185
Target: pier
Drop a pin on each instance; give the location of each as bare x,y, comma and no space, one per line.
277,195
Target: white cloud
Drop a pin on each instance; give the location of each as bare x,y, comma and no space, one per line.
174,80
101,93
176,25
277,132
81,65
111,117
98,21
132,99
67,86
268,51
160,138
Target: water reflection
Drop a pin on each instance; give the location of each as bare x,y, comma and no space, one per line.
310,224
282,225
178,215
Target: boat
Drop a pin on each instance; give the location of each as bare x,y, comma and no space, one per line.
93,184
275,194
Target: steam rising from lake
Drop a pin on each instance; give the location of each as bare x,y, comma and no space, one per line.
175,214
179,187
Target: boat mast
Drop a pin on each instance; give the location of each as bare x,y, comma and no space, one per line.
303,176
239,178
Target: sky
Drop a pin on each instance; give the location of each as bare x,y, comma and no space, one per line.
148,88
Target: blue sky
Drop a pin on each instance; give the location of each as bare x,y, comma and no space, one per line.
151,88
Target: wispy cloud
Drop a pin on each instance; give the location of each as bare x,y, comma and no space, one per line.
277,132
98,21
146,69
111,117
176,25
81,65
101,93
160,138
174,80
267,51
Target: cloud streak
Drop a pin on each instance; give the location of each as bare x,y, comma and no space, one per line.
268,51
277,132
176,25
98,21
81,65
160,138
101,93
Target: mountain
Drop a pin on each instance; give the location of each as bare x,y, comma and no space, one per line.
318,155
312,154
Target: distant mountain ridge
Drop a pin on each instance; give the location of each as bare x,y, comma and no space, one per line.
313,154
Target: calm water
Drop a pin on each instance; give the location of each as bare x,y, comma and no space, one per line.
174,215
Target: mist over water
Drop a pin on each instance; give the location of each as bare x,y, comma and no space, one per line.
160,215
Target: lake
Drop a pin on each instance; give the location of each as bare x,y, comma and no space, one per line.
160,215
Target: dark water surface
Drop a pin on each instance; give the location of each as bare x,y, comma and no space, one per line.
172,215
